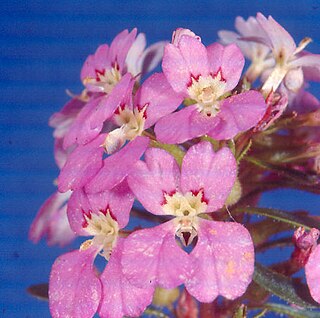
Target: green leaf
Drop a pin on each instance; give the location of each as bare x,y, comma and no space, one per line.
283,216
283,287
241,312
291,311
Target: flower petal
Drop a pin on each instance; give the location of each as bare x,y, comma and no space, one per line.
149,180
120,298
152,257
120,46
74,288
80,131
175,69
184,125
282,42
214,173
82,165
239,113
195,55
108,104
159,96
222,261
313,274
117,166
50,210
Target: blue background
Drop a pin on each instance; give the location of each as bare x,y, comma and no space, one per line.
43,45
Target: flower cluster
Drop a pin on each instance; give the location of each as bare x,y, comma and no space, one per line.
187,144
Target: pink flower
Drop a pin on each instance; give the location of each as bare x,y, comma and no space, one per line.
222,261
257,52
313,263
206,75
51,221
132,115
75,288
289,59
103,70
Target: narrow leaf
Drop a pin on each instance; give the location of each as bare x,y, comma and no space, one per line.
283,287
291,311
283,216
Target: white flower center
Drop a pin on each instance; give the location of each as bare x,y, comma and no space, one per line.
105,80
105,231
131,124
185,207
206,91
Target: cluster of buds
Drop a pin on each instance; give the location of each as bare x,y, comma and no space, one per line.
189,144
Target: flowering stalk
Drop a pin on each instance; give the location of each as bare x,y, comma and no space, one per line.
194,146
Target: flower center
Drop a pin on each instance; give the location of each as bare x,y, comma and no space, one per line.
105,80
131,124
104,229
206,91
185,207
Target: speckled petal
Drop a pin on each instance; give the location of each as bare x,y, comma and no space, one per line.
80,131
184,125
82,165
214,173
120,46
159,96
239,113
152,257
74,288
105,109
222,261
41,224
175,69
313,274
149,180
120,298
195,55
117,166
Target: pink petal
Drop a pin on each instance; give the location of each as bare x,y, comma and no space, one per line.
119,200
159,96
134,55
232,65
120,298
229,60
214,173
195,55
149,180
41,224
215,54
175,69
310,60
152,257
82,165
239,113
60,154
63,119
78,206
80,131
117,166
59,231
109,104
223,261
120,46
98,61
74,289
183,125
313,274
281,41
